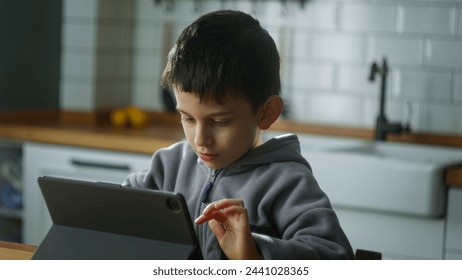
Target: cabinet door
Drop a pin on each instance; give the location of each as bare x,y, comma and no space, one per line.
454,224
69,162
395,236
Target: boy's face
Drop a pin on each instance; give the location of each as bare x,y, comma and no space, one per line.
219,133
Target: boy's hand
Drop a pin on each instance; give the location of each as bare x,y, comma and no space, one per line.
229,222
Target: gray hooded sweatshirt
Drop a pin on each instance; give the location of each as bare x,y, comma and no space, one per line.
290,216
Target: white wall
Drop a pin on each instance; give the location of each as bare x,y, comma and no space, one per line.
326,50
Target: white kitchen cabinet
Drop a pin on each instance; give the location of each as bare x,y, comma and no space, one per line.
69,162
453,248
395,236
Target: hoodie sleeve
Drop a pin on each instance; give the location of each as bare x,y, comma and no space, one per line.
306,225
164,168
306,244
151,177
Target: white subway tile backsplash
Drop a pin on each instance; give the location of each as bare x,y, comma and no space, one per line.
77,95
148,10
245,6
442,118
356,79
146,94
148,36
80,8
445,1
458,87
340,47
329,46
421,84
334,109
459,28
187,10
445,53
210,6
314,15
78,64
147,66
428,20
368,17
303,43
272,13
297,105
369,109
313,76
281,37
82,35
398,50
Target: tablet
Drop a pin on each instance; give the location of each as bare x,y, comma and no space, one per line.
94,221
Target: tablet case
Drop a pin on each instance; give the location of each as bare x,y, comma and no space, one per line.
94,221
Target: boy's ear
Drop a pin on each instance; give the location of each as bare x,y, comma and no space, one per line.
270,112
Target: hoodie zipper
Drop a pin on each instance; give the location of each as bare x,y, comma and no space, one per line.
204,199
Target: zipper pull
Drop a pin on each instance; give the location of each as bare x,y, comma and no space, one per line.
208,188
206,192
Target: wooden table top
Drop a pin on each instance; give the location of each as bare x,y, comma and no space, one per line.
16,251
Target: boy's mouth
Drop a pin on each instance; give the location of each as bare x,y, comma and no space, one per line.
207,157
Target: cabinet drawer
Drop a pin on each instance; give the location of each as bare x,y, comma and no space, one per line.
84,163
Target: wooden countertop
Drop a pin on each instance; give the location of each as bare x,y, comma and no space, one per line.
16,251
146,140
164,130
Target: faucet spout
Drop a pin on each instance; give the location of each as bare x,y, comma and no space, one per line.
383,127
374,71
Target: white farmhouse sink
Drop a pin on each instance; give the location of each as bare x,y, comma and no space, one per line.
383,176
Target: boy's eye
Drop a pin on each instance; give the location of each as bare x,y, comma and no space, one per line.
186,119
220,122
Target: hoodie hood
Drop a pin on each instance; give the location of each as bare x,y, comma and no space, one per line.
284,148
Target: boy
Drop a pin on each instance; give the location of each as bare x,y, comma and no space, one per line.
249,199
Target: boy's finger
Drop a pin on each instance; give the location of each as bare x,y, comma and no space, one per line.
234,210
222,204
217,215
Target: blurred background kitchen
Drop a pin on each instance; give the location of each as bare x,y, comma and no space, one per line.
76,61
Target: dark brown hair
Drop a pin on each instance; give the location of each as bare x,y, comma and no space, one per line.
224,54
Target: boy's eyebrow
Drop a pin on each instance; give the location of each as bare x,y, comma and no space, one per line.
215,114
181,111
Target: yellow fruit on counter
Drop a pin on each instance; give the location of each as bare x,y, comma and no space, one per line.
119,118
128,116
136,117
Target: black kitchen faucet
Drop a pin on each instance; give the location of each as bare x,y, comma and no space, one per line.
383,126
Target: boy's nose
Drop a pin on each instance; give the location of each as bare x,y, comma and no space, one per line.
202,137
